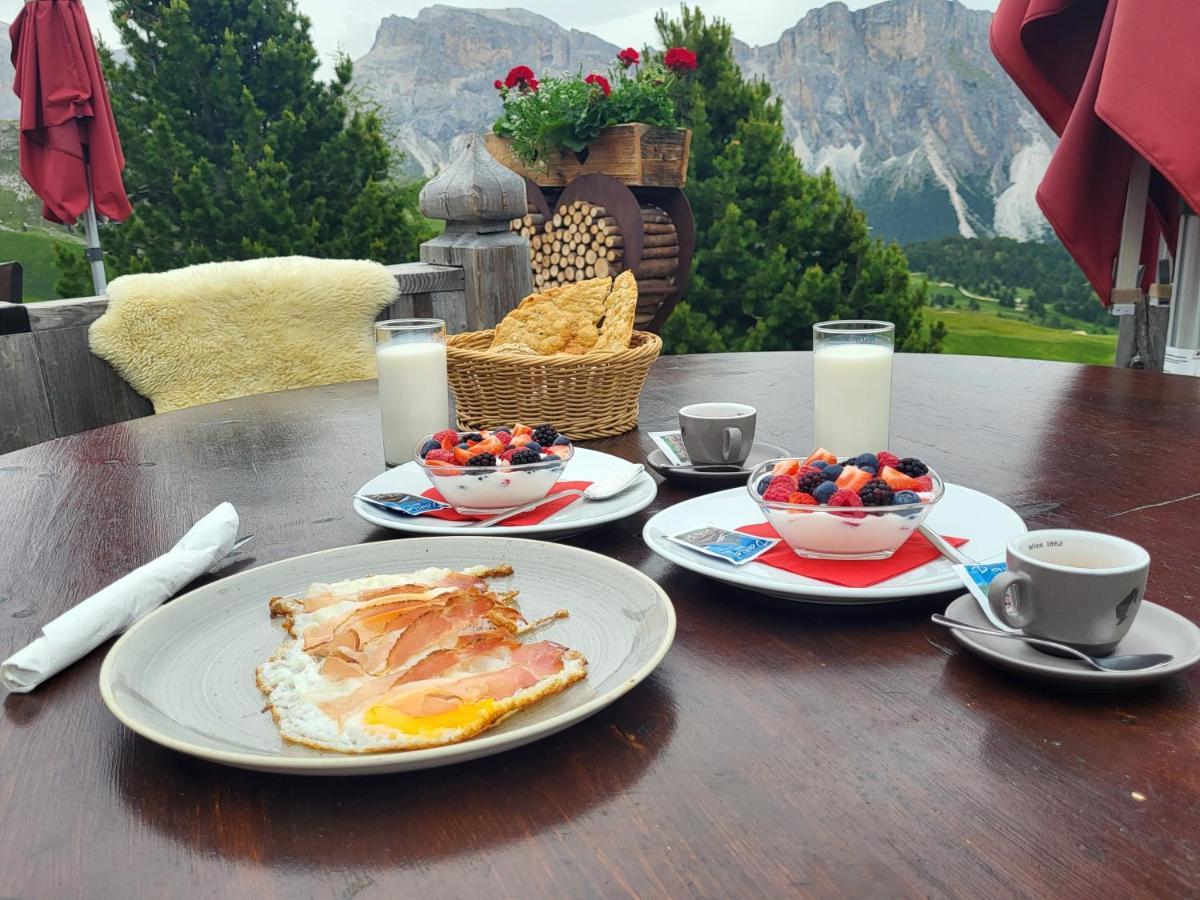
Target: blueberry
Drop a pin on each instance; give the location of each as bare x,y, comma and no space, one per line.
534,446
832,473
824,491
902,497
763,485
818,464
562,441
463,446
549,457
870,469
867,459
473,436
430,445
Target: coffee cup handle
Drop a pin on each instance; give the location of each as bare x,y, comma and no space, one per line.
1008,596
733,443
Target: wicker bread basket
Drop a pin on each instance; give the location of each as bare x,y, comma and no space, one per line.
584,397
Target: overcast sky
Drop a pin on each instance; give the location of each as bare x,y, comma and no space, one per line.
350,24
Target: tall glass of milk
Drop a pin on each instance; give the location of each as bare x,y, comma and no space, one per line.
852,385
413,398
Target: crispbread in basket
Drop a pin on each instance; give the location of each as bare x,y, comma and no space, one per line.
589,396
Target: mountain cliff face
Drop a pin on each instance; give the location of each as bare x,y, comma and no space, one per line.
902,101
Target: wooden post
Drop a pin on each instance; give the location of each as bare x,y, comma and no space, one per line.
477,198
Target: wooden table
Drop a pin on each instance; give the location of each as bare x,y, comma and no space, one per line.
779,750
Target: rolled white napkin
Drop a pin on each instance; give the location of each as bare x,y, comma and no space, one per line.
89,624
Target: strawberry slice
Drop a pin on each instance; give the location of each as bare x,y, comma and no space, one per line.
488,445
519,430
786,467
560,450
520,440
924,484
852,479
897,480
822,454
461,456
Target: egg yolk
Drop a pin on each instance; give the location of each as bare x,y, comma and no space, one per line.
458,717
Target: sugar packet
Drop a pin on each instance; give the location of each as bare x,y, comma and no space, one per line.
976,579
672,447
405,504
731,546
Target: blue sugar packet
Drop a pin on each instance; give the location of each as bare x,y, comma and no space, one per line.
405,504
976,580
731,546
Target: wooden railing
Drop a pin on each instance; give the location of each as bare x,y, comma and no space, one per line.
476,270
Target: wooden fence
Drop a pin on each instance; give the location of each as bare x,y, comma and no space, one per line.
476,270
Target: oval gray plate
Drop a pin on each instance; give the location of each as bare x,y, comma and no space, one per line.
184,675
1155,630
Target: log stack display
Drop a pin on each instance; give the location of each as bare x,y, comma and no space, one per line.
582,240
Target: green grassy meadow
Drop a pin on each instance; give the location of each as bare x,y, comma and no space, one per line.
34,250
984,333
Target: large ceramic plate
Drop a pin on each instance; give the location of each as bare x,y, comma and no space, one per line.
987,524
184,675
585,465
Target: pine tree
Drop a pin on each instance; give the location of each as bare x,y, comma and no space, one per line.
235,150
777,248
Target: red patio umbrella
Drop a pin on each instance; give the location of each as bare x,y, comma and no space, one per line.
1117,80
69,149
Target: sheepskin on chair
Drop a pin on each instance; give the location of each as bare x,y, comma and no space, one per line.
222,330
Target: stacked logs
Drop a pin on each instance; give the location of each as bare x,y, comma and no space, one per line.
581,240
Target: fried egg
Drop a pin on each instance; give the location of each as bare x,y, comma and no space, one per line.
407,661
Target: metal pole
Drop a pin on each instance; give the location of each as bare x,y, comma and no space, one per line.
93,254
1183,332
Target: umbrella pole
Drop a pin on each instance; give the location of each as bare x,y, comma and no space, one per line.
1183,332
93,254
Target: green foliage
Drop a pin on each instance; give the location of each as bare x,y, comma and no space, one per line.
567,113
777,249
235,150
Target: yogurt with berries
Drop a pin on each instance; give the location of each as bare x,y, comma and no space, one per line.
861,507
496,469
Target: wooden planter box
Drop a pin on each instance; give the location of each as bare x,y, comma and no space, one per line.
637,155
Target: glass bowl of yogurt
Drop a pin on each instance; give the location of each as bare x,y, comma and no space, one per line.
844,532
492,488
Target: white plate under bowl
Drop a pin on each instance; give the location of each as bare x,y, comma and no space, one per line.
585,465
184,675
1155,630
984,521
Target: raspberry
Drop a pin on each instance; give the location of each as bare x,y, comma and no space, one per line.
482,459
912,467
848,498
508,454
809,479
875,493
439,455
802,498
545,434
525,456
924,483
781,487
886,459
503,437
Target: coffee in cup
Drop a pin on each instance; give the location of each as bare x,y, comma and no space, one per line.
717,433
1080,588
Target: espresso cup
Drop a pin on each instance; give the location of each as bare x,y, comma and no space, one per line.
717,433
1079,588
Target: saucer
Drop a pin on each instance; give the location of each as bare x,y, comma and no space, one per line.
1155,630
759,453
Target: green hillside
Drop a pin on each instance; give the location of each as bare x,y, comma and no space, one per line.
34,250
987,334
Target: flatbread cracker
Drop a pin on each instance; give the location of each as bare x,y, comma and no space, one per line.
620,307
561,320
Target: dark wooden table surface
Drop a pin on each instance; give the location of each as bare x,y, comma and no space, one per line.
779,750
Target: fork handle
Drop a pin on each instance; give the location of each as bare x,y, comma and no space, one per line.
956,625
516,511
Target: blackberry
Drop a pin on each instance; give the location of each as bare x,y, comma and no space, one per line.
473,436
483,459
876,493
523,456
545,435
808,481
912,467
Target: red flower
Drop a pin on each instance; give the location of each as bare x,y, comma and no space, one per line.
520,76
680,59
600,80
628,57
498,84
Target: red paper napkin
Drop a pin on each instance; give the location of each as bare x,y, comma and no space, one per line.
914,552
533,517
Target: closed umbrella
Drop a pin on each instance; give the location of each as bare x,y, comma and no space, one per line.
1117,80
69,149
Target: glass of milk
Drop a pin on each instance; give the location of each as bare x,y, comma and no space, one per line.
852,385
413,398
